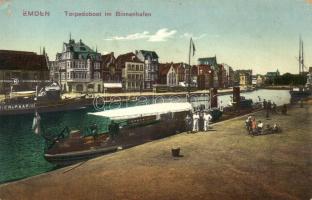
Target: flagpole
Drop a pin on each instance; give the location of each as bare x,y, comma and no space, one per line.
189,78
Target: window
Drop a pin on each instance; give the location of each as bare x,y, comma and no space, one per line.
137,68
141,67
97,75
97,66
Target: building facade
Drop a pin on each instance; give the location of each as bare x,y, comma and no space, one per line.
132,71
271,76
243,77
21,70
172,74
79,68
151,68
229,76
219,74
111,73
204,76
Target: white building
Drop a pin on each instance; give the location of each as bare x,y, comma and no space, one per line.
150,59
79,68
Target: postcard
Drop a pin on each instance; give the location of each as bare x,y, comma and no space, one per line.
167,99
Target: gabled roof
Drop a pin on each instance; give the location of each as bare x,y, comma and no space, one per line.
22,60
108,59
146,53
128,57
164,68
177,66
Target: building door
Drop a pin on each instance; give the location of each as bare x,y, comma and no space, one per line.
99,88
70,88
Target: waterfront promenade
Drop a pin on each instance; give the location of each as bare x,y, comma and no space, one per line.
224,163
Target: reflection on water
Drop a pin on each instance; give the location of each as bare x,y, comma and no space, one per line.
21,151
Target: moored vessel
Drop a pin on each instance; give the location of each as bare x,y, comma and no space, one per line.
126,127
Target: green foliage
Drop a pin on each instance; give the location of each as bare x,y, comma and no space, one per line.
287,79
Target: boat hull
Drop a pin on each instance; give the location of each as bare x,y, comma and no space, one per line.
66,153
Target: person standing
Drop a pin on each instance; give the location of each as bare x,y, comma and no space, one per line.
207,118
188,123
274,108
248,124
264,104
195,121
284,109
254,125
36,123
268,109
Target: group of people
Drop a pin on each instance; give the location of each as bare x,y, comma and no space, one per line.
271,108
255,127
193,121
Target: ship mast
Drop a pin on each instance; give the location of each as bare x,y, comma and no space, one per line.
301,56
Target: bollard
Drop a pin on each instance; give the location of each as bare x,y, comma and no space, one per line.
175,152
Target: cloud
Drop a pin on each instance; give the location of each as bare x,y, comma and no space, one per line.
160,36
135,36
191,35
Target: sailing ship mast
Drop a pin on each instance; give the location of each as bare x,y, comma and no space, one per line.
301,57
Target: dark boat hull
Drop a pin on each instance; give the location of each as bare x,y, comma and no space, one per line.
127,137
298,95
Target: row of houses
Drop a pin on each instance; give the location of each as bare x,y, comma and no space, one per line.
79,68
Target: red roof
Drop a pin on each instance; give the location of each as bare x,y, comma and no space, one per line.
164,68
22,60
108,59
128,57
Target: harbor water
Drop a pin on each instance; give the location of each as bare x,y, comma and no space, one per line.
21,151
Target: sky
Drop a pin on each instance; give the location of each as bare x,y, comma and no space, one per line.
262,35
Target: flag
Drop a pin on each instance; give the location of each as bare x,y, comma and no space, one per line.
193,47
36,123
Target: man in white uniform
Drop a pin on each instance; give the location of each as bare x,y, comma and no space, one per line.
207,118
195,121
